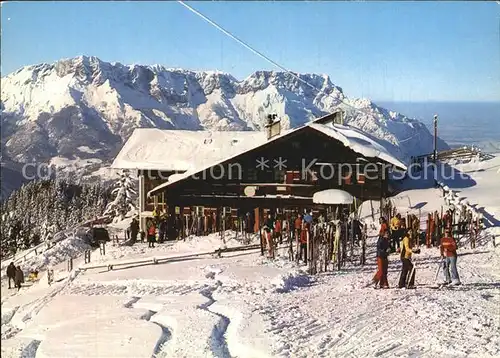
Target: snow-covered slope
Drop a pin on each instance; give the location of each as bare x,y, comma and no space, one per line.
83,108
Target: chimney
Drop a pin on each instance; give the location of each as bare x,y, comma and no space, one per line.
273,126
339,117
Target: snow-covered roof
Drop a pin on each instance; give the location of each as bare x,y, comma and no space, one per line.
358,141
332,196
350,137
182,150
178,177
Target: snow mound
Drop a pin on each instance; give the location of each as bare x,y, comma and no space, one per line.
332,196
70,247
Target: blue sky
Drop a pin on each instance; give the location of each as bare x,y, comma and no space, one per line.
403,51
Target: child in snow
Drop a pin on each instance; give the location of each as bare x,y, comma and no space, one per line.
383,250
151,235
449,255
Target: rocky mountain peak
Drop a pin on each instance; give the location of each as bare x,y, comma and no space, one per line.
84,102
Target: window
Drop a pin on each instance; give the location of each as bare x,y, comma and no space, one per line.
298,177
235,172
311,176
348,179
279,176
251,175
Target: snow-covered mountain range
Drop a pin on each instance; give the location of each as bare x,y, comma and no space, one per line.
84,108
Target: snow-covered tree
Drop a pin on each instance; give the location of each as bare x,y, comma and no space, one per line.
39,209
125,195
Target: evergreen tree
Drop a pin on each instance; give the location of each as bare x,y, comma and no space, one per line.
39,209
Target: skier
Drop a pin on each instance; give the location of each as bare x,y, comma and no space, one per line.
248,225
303,241
447,219
408,268
162,229
11,273
383,226
395,232
277,231
383,250
156,214
268,228
357,230
19,278
151,235
449,255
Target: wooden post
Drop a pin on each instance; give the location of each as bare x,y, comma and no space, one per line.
50,277
223,225
363,245
256,225
261,241
382,207
434,155
70,264
87,256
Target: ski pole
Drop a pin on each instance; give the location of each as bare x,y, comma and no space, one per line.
437,272
441,264
412,272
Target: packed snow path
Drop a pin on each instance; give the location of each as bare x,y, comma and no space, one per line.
245,306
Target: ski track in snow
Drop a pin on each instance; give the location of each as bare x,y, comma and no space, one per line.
33,308
165,332
368,323
132,288
218,340
332,314
30,350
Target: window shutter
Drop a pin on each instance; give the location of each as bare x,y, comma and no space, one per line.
347,180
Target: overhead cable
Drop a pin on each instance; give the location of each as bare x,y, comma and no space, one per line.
274,63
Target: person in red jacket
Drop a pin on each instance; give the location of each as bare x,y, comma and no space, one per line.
151,235
277,231
447,220
384,227
449,255
303,241
297,227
